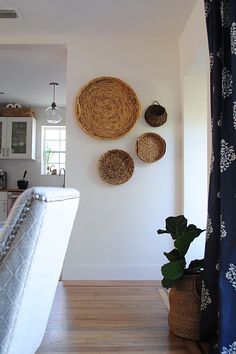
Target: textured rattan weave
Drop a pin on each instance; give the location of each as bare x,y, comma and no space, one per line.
107,108
150,147
184,315
116,166
16,112
155,115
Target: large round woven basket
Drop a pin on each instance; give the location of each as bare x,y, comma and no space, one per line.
116,166
185,302
150,147
107,108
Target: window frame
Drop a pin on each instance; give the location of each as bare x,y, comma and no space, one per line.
46,170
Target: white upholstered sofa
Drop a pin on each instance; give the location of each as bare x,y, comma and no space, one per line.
33,243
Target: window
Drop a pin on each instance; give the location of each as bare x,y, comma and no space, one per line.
53,149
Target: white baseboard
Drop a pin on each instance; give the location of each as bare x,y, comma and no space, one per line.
87,272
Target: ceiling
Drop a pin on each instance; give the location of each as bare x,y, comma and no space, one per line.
27,71
89,17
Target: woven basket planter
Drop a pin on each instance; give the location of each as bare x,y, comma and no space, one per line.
185,302
16,112
107,108
155,115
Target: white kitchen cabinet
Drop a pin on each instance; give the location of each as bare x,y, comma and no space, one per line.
17,137
3,206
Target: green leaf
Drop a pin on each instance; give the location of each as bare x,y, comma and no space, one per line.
167,283
183,242
159,231
173,270
196,265
191,227
173,255
175,225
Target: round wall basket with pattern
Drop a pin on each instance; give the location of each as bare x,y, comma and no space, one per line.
107,108
150,147
115,166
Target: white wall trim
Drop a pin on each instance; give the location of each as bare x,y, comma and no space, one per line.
96,272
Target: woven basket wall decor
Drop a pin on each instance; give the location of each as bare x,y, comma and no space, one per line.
155,115
150,147
107,108
185,302
116,166
16,112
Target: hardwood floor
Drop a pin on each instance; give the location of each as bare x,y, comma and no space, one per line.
112,317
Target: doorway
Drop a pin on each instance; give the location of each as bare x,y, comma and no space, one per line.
26,74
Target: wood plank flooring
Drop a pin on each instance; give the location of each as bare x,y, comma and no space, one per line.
112,317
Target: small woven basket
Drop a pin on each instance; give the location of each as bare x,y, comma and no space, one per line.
150,147
185,302
155,115
16,112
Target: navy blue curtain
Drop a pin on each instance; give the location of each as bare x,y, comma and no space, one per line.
219,286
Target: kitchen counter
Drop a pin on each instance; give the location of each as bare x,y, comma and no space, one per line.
7,199
12,190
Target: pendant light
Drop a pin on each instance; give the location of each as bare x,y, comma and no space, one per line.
53,113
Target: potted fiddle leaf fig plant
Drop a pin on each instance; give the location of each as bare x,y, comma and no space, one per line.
184,280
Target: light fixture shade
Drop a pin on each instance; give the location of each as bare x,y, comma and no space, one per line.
53,113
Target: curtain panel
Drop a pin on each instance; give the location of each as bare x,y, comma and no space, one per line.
219,286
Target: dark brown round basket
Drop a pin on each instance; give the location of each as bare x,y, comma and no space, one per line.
185,302
155,115
116,166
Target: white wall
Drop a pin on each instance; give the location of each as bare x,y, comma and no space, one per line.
114,236
194,102
16,168
115,233
193,37
195,149
195,158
